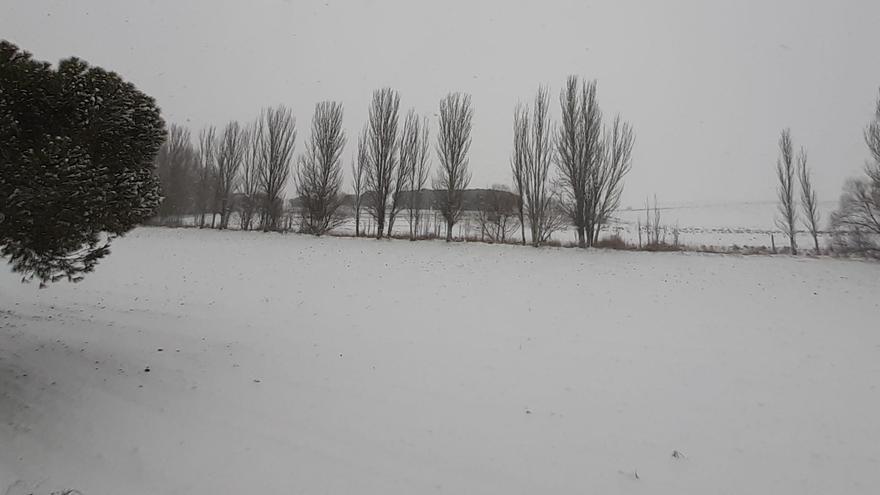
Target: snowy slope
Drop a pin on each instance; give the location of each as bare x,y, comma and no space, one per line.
291,364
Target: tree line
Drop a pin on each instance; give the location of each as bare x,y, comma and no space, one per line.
566,173
243,168
86,157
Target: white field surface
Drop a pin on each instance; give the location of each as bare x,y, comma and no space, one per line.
724,224
291,364
716,225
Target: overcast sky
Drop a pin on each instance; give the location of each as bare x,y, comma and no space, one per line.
707,84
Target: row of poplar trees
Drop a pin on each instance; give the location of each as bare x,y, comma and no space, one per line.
570,173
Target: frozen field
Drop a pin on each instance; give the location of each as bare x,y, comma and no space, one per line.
206,362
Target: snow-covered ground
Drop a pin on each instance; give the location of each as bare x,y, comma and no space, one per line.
723,224
204,362
717,225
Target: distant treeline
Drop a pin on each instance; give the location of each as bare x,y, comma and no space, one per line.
565,173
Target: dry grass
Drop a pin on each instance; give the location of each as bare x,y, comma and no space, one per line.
661,247
614,242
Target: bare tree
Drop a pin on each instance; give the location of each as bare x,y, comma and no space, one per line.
418,178
277,139
639,230
608,184
358,171
497,214
809,202
249,186
230,153
518,165
872,139
176,165
408,153
785,171
207,172
856,223
571,160
652,225
319,170
532,156
382,147
580,154
453,144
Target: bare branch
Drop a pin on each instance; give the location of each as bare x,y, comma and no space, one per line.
358,173
277,140
497,213
532,156
453,144
785,173
230,154
176,166
872,139
856,223
207,171
249,186
616,163
319,171
382,147
579,146
408,153
809,202
419,177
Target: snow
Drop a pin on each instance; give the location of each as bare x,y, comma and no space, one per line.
292,364
715,224
725,223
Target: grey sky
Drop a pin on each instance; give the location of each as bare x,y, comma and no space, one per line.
707,85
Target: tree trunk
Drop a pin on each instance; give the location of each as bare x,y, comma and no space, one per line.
357,222
224,215
590,232
522,226
449,226
582,241
380,227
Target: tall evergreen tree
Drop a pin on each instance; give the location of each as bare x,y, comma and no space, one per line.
76,164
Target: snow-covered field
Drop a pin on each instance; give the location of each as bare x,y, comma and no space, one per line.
206,362
717,225
724,224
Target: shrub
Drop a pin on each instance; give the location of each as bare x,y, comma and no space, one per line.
613,242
